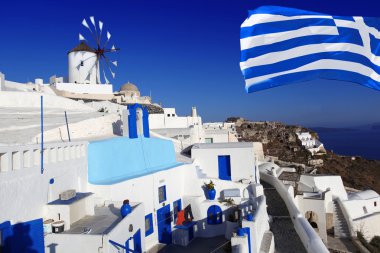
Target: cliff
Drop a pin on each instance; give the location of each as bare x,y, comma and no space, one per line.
280,140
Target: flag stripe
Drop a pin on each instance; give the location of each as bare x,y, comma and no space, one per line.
266,18
309,58
350,36
283,26
303,76
267,39
305,50
322,65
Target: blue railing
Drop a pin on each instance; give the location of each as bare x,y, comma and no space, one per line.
126,246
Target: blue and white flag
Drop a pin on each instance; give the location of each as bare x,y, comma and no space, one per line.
282,45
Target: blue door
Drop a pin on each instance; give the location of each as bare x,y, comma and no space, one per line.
164,224
214,215
137,242
224,164
248,233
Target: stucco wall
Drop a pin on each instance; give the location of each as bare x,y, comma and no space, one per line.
242,162
25,191
85,88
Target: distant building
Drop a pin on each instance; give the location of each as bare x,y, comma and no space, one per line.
130,94
311,144
220,132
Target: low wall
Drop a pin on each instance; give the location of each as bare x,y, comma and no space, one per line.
310,239
118,159
25,191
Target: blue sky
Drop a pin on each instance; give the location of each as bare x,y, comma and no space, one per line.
186,53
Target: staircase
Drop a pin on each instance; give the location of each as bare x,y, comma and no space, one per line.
200,172
341,229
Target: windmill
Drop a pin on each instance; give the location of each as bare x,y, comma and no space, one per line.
101,64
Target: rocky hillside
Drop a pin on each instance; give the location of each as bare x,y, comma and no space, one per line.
280,140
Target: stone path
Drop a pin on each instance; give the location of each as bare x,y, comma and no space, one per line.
286,239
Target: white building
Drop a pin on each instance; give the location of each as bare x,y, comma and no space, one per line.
83,76
325,203
187,129
220,132
311,144
141,169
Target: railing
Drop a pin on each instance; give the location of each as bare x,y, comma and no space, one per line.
13,158
118,245
308,236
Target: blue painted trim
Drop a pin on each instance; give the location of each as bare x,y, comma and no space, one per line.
159,189
151,228
247,231
224,164
23,237
214,215
132,121
137,247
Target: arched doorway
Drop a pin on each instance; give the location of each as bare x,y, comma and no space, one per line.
214,215
312,218
138,121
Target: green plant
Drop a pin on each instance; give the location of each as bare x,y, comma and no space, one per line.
209,186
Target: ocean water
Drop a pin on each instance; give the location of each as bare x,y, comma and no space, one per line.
354,142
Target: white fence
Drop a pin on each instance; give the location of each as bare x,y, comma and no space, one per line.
14,158
310,239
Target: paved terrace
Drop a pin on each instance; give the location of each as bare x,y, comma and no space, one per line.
286,239
19,125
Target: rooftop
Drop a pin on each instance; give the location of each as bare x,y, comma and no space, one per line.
223,145
104,220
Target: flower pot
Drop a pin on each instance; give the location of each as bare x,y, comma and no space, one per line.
125,210
211,194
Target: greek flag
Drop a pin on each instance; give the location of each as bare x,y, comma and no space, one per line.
282,45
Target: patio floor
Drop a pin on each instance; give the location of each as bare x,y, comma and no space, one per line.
199,245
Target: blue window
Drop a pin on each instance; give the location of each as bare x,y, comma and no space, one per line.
162,194
148,224
214,215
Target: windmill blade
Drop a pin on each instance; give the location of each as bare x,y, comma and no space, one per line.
113,47
108,39
93,21
104,74
100,26
84,23
114,63
81,37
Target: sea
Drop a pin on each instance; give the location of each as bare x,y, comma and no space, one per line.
351,142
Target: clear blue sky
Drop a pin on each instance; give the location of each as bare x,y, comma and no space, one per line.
185,52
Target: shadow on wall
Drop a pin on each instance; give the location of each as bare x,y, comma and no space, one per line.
117,128
24,238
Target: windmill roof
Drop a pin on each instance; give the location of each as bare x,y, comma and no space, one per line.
82,46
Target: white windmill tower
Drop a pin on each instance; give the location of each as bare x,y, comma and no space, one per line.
90,64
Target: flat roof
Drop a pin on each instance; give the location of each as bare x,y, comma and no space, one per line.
223,145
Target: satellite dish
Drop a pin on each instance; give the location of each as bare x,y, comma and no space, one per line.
103,63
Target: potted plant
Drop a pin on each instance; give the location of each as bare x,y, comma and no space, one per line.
210,189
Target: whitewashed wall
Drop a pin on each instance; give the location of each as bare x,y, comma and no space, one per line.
145,189
242,161
85,88
25,191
